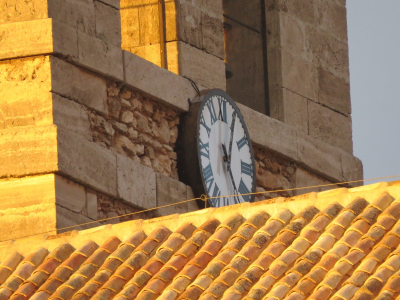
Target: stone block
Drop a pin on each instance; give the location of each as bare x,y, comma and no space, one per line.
69,194
332,18
213,8
78,14
295,111
75,83
19,11
352,169
244,12
170,191
136,183
24,92
151,53
328,52
156,82
244,54
302,10
36,38
68,220
172,20
320,157
270,133
213,36
100,57
330,126
28,150
87,162
108,23
28,220
189,25
149,24
114,3
71,116
292,35
27,191
334,92
130,28
304,178
299,76
205,69
91,205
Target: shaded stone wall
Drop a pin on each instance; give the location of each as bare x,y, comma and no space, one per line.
139,128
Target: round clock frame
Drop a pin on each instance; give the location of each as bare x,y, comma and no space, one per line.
189,148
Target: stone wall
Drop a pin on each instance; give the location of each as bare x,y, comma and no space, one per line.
137,127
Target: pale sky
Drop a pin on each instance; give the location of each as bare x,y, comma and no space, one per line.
374,45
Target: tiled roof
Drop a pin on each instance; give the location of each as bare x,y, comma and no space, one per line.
339,244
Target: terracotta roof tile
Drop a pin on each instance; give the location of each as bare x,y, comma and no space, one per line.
321,252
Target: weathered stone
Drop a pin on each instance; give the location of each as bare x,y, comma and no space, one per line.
271,181
17,11
142,123
213,36
120,127
87,162
133,134
295,111
303,178
330,127
164,132
169,192
113,3
74,83
292,35
125,103
149,24
37,37
91,205
303,10
173,135
28,150
126,95
127,117
352,169
100,57
69,194
122,142
27,191
24,93
78,14
114,107
331,17
189,26
213,8
246,12
206,69
328,52
294,68
334,92
71,116
320,157
71,220
157,82
108,23
139,191
149,52
130,28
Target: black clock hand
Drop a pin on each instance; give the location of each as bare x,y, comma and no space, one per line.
230,173
231,139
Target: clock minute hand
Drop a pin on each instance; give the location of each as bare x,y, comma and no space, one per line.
231,139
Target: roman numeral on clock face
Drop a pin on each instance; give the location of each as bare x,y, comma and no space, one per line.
246,168
203,123
222,110
242,142
211,109
244,190
204,149
208,177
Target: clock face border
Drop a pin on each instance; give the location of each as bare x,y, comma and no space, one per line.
205,98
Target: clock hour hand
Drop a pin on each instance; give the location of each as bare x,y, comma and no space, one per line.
231,139
230,173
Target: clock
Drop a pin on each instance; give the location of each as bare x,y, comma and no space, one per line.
223,166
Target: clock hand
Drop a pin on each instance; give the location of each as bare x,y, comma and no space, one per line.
231,139
230,173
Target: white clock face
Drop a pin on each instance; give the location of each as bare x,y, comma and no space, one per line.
226,156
